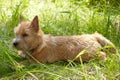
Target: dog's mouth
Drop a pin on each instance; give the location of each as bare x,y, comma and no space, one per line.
24,49
18,47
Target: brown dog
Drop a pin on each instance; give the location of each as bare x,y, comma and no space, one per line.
46,48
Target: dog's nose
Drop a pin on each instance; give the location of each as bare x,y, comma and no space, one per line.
15,43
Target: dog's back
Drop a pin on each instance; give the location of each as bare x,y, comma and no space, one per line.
68,47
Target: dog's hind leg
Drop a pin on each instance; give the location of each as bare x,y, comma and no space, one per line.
101,55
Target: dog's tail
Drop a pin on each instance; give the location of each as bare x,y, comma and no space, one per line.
105,42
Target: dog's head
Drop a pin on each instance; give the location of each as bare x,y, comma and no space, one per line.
28,35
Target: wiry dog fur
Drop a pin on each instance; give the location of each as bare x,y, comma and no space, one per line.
47,48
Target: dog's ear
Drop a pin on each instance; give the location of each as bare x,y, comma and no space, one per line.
35,23
21,18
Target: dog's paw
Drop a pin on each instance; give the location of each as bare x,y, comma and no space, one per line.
22,54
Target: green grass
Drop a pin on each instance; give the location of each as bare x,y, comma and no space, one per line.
59,17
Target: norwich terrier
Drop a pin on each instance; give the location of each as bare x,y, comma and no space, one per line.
47,48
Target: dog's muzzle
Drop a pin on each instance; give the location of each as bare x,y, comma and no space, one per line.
15,43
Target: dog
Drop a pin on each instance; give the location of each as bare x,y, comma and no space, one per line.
47,48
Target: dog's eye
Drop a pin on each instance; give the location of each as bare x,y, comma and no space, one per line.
25,35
